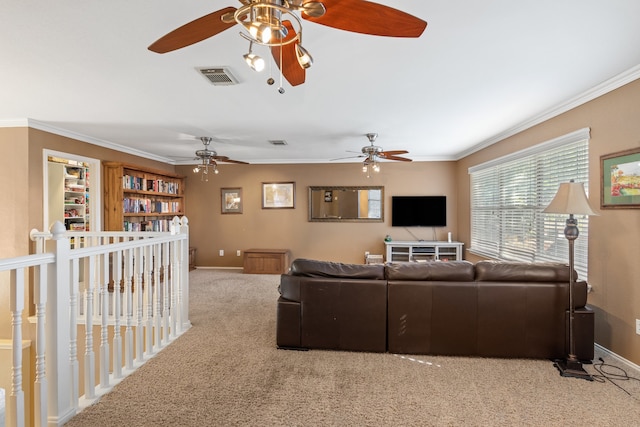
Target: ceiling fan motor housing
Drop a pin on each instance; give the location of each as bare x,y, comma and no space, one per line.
371,149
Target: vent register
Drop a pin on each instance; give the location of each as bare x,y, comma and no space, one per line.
218,76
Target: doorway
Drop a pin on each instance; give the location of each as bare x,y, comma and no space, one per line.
71,191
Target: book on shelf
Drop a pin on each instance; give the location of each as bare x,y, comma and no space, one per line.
150,225
144,205
130,182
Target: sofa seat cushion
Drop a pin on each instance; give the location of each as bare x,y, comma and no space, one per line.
458,271
313,268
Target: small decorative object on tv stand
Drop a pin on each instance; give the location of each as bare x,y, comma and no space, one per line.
420,251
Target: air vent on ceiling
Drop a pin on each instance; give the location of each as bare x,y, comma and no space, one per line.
218,76
277,142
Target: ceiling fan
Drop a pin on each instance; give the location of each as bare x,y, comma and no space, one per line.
209,159
276,24
372,153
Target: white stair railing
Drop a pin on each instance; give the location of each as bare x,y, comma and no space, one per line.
83,285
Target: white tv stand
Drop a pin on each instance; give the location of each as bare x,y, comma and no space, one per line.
424,250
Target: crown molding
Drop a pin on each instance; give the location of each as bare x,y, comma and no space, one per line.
35,124
591,94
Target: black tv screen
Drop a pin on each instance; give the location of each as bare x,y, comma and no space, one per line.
419,211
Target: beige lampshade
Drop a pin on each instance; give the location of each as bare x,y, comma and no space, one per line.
570,199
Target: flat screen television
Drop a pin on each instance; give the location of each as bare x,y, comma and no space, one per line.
419,211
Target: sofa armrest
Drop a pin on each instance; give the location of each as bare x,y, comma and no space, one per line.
288,324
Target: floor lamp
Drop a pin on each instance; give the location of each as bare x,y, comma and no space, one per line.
572,200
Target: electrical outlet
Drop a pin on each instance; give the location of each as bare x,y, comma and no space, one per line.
238,252
366,254
221,252
638,326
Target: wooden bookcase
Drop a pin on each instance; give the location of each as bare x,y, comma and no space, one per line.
140,199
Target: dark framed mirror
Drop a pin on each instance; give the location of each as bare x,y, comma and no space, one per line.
346,204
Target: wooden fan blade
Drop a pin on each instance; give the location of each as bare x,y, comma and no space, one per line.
360,16
290,68
225,159
393,152
194,31
402,159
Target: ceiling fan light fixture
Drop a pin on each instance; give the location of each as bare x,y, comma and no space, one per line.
254,61
259,31
304,58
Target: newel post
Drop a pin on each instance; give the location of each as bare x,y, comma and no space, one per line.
58,328
184,271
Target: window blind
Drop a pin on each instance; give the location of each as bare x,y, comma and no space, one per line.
509,194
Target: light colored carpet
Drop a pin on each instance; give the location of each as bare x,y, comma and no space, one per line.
226,371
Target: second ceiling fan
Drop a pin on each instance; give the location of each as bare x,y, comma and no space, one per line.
276,24
208,159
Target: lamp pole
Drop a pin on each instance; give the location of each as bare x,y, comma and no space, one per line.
571,199
571,233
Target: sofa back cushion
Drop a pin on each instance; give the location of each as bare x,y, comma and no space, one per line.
313,268
450,271
502,271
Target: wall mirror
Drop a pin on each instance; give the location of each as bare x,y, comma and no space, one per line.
348,204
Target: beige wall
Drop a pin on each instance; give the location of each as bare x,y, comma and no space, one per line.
14,210
289,228
614,236
14,233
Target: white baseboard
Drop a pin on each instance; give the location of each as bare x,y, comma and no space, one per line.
199,267
620,359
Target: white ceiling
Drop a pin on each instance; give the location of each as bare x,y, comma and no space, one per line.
482,70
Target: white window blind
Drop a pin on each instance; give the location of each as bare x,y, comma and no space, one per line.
508,195
375,204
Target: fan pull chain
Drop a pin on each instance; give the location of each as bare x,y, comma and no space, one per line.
281,89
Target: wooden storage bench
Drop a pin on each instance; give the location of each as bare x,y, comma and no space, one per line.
266,261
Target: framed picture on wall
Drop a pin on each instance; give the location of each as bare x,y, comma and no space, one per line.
231,200
278,195
620,179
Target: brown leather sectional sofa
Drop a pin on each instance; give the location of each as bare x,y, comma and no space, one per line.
490,309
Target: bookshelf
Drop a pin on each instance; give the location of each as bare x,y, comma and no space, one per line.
69,194
140,199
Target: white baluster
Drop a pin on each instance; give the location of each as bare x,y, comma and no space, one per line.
15,413
117,339
137,264
184,273
128,334
74,289
165,287
89,356
174,293
104,326
148,293
157,313
40,385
